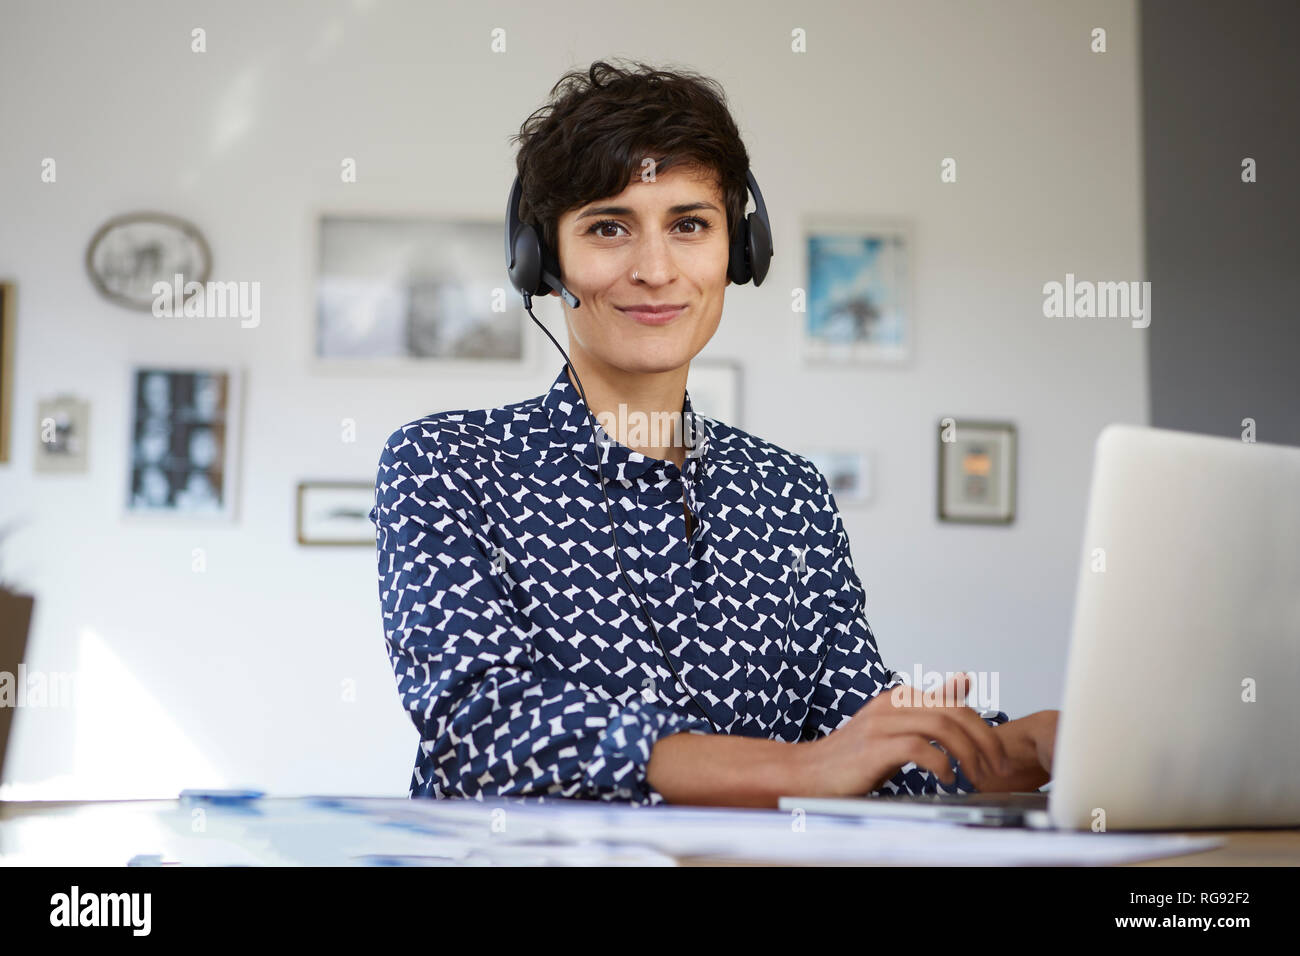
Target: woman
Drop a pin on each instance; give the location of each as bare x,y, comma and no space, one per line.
720,654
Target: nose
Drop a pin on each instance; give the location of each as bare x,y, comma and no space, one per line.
653,262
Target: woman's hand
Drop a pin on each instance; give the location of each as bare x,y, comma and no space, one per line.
1030,742
896,727
1040,729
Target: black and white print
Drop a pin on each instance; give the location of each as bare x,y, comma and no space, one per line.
183,441
406,291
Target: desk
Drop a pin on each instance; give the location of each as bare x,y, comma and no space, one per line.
367,831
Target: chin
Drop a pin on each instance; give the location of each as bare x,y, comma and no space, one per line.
649,361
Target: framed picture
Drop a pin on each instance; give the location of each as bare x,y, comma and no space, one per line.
129,253
62,434
401,293
714,386
859,290
847,472
184,441
977,471
335,513
8,318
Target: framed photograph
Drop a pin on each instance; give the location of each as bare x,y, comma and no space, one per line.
401,293
129,253
8,318
184,441
335,513
62,434
714,386
858,279
847,472
977,471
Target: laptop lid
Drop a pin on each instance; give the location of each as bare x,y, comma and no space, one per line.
1181,706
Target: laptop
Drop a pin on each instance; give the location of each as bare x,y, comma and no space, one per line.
1182,693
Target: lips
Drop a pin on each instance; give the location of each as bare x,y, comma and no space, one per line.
660,315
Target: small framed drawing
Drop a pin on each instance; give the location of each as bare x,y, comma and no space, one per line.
402,293
847,472
335,513
858,281
977,471
184,441
714,386
62,432
8,317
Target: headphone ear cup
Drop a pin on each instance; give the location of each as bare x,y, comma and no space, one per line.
760,248
551,263
526,274
737,267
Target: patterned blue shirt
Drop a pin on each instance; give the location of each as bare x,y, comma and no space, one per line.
522,659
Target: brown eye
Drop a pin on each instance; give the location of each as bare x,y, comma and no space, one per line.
601,225
702,224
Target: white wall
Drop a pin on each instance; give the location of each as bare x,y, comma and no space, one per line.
232,677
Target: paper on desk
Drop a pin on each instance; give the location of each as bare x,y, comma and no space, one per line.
286,832
773,835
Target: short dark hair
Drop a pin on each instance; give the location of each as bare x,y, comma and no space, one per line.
590,139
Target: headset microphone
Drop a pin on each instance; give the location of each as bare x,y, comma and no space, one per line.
534,270
565,294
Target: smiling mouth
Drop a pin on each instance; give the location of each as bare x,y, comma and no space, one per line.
653,315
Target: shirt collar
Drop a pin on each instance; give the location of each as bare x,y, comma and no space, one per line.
572,428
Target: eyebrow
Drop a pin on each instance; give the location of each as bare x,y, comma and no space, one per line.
628,211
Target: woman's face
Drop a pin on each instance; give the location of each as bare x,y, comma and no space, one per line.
679,256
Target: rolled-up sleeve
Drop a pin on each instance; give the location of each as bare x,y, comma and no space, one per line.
490,724
853,672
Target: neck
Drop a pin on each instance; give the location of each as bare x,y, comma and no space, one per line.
641,410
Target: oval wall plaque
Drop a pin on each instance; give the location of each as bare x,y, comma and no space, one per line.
129,253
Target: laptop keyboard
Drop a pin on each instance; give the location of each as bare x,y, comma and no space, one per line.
1036,800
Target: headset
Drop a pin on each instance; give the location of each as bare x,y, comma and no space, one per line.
535,270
